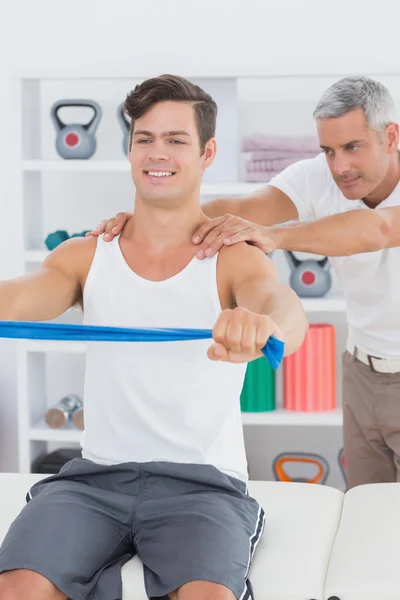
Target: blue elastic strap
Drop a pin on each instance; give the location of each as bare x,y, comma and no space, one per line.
273,350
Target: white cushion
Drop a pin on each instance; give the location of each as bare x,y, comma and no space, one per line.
365,561
293,555
291,559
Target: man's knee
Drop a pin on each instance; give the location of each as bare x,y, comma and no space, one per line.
29,585
202,590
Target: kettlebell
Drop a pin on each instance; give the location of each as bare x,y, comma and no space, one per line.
301,458
76,141
125,124
309,278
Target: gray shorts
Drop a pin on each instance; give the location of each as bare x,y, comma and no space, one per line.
185,522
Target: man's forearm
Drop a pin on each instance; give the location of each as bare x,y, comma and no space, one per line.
39,296
344,234
284,307
8,301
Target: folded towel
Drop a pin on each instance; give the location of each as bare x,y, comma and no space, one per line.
277,154
259,141
254,166
260,176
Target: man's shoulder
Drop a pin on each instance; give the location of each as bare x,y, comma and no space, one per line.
242,258
74,255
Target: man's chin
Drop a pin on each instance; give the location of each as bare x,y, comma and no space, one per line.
351,195
353,192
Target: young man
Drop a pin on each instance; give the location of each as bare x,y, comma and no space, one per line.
352,194
163,471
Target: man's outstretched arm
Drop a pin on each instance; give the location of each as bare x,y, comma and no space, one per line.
345,234
49,291
261,307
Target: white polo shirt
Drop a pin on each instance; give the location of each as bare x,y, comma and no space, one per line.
370,281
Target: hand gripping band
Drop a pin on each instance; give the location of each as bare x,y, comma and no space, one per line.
273,350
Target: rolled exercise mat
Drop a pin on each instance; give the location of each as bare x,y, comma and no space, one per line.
258,392
309,374
273,349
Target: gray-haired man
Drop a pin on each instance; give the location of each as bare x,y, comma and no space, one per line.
352,193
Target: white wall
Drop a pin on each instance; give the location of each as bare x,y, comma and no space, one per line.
180,36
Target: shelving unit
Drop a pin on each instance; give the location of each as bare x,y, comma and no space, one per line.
38,165
287,418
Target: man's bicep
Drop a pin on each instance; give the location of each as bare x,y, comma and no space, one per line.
255,277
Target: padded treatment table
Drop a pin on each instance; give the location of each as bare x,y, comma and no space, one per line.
318,543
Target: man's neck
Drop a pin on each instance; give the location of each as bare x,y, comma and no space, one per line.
159,230
387,185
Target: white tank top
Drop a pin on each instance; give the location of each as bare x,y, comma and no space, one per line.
158,401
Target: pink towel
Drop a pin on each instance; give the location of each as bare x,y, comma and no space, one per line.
260,176
259,141
269,165
277,154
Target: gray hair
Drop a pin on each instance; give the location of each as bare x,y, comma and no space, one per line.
358,92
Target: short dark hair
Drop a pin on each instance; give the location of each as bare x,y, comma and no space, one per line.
175,88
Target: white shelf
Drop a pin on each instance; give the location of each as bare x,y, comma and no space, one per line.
285,417
72,166
330,304
59,347
42,432
35,256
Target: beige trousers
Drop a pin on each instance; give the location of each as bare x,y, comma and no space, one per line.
371,423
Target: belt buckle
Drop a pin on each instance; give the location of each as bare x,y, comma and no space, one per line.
371,364
387,361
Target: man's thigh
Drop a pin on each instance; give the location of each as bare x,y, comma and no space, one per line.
368,457
388,393
71,533
206,532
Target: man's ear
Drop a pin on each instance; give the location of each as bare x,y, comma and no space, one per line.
392,137
209,153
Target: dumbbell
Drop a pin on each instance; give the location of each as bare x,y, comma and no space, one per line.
58,416
58,237
74,235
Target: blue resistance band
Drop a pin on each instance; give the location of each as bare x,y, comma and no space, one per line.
273,350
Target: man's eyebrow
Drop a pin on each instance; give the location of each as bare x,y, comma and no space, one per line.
343,145
166,134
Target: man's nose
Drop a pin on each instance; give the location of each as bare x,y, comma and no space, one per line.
341,164
158,152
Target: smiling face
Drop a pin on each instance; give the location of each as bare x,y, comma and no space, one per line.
358,156
166,161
